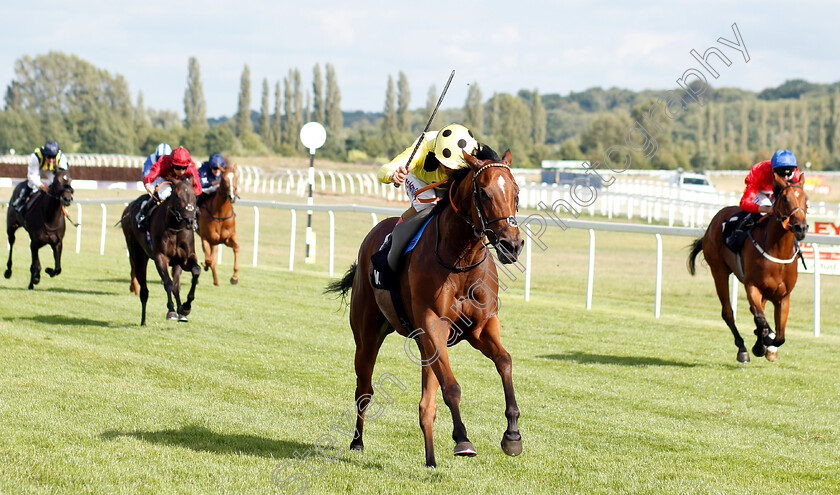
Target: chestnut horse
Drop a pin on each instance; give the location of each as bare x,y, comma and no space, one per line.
170,242
44,220
449,286
768,265
217,224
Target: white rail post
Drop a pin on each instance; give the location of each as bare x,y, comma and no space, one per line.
292,241
219,254
528,263
591,275
332,241
658,296
733,294
373,217
256,234
102,236
79,228
816,290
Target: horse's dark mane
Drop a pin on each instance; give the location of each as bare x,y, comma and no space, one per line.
484,152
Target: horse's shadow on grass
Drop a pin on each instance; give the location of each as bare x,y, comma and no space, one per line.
64,320
201,439
585,358
64,290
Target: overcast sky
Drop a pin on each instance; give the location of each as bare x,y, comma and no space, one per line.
555,47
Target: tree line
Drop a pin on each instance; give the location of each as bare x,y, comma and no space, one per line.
87,109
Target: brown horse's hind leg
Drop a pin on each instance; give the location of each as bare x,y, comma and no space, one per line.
10,231
56,248
721,277
773,342
490,344
35,267
369,340
428,412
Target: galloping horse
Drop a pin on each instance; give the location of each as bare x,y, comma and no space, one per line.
768,265
217,224
449,287
44,221
170,242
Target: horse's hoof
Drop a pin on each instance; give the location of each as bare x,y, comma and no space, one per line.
744,357
357,446
511,446
50,272
31,286
465,448
183,318
772,355
171,315
234,281
206,267
431,463
8,273
216,283
184,309
759,350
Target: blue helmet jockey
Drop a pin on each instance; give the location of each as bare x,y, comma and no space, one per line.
161,150
217,161
50,149
784,162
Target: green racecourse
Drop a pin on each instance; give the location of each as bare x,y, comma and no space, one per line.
612,400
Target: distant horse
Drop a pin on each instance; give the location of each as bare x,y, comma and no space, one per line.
449,287
44,220
217,224
768,265
170,242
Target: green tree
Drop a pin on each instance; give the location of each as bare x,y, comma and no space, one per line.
264,125
242,119
431,101
389,119
514,128
141,118
538,119
403,101
288,112
220,139
333,119
317,94
297,123
277,124
474,110
195,107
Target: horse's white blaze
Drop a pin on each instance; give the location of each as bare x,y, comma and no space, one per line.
229,176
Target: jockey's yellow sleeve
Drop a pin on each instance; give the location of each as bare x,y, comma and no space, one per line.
416,166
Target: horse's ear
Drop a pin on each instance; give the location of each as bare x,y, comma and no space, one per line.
472,161
802,179
507,157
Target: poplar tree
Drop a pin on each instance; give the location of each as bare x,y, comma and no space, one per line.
242,119
474,110
277,124
389,118
538,119
744,135
431,101
317,95
288,110
195,107
403,102
141,118
298,120
332,102
265,117
762,126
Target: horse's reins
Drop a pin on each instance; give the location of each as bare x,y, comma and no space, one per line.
478,233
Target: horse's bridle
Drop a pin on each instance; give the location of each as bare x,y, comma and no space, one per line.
484,228
179,218
785,219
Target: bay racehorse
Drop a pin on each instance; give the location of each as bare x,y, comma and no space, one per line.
170,241
449,288
767,265
217,223
44,220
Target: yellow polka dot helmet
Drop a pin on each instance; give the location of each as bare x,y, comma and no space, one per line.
449,143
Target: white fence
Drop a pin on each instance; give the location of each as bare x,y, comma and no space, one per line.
592,227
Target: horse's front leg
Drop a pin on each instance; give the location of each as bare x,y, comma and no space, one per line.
194,268
56,248
231,242
35,267
774,341
434,343
176,289
428,413
762,329
490,344
162,265
10,231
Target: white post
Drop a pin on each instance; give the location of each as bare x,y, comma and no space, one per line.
256,234
292,241
373,217
733,294
528,263
591,276
658,295
219,255
816,290
332,241
102,236
79,228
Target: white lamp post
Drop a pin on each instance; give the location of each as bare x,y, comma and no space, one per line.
312,135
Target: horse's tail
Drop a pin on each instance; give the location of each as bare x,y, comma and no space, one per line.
696,247
342,287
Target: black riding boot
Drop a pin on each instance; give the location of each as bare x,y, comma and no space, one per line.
19,204
736,238
143,213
